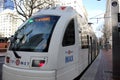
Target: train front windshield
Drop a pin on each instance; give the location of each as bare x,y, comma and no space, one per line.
35,35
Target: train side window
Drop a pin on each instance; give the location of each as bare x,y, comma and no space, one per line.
69,36
85,41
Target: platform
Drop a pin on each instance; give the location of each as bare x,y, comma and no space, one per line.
101,68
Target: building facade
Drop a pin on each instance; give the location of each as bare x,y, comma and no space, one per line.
76,4
9,23
108,24
110,21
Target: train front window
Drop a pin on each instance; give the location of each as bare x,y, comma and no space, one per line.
35,35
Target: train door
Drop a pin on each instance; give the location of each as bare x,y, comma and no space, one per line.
90,50
66,59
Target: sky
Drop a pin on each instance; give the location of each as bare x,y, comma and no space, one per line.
94,4
8,4
95,9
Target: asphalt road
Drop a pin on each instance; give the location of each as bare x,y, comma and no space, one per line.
1,63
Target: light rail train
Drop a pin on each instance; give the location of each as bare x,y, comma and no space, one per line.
51,45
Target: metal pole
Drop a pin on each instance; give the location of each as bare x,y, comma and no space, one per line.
116,38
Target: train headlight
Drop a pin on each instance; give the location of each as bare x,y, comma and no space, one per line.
38,63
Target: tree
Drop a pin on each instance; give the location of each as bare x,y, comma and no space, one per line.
26,8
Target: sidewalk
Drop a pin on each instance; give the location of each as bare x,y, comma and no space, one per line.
101,68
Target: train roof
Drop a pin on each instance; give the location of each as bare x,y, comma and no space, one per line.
59,10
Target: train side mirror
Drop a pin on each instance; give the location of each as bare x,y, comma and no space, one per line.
11,38
79,31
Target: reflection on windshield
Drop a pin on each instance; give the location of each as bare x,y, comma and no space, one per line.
35,34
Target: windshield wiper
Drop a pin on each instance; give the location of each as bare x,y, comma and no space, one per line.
13,49
21,39
16,55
